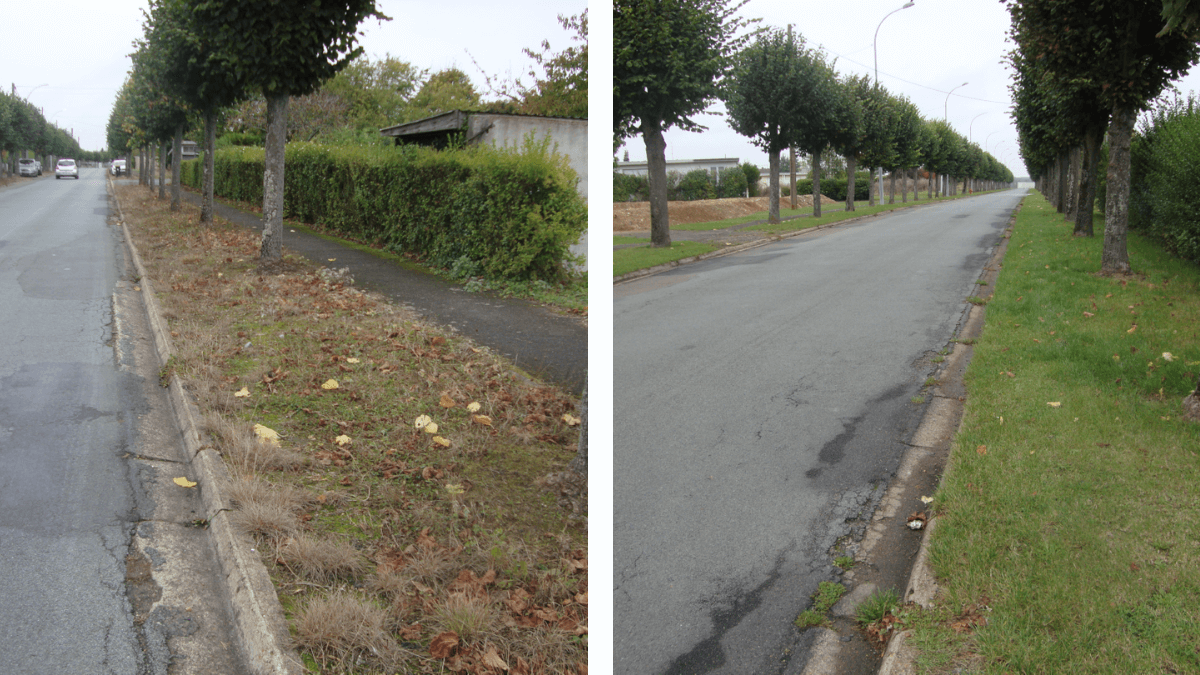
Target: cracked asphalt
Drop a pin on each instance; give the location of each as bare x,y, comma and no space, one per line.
103,573
764,400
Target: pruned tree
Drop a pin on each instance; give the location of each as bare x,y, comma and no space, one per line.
669,60
283,49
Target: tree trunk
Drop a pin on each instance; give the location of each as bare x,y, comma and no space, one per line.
904,186
206,189
1087,182
1072,184
792,167
162,171
176,167
916,173
871,187
892,187
1061,179
272,238
656,163
1115,258
851,167
816,177
773,186
929,185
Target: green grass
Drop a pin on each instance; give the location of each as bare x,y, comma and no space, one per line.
619,240
1070,506
877,606
827,595
627,260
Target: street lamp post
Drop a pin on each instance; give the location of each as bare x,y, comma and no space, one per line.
973,124
875,47
946,105
989,137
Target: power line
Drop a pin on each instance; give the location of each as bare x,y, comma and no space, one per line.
917,84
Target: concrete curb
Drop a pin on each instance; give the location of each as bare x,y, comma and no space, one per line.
649,271
260,626
899,657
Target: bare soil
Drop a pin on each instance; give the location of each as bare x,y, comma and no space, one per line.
635,216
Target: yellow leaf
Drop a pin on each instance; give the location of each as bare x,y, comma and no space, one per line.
482,419
447,402
431,428
342,440
473,407
422,421
184,482
1167,356
1132,329
267,434
352,360
444,442
1054,404
242,393
330,384
571,420
455,489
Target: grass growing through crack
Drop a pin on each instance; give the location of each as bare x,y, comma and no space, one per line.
827,595
393,548
1070,507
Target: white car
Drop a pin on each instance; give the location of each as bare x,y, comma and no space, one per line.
66,167
29,167
118,167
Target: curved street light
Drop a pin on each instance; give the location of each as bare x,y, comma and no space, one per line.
875,48
973,124
989,137
946,105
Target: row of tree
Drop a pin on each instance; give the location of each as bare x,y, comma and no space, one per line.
23,128
672,58
1082,67
247,62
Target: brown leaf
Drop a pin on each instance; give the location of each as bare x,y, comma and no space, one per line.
982,450
447,402
412,632
493,660
443,645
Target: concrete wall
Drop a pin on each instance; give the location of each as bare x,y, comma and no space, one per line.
569,135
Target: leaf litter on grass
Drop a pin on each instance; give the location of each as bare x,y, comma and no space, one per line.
455,544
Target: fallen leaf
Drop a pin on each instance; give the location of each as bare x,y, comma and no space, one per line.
447,402
455,488
330,384
1054,404
1132,329
184,482
444,442
267,434
928,500
981,450
482,419
492,660
351,360
916,520
242,393
473,407
571,420
422,421
1088,314
431,428
1168,357
443,645
342,440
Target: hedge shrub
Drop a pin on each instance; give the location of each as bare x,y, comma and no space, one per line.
509,213
835,188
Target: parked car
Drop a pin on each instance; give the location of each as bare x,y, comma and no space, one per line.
66,167
118,167
29,167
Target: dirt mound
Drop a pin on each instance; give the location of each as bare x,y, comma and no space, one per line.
635,216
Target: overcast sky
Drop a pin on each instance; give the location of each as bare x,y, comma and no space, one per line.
925,53
78,49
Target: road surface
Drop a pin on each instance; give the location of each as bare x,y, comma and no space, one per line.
106,569
762,402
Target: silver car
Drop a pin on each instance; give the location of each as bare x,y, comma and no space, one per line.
66,167
28,167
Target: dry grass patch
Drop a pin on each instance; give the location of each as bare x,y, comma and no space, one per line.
404,462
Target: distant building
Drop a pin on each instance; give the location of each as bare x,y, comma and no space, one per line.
713,166
190,150
500,129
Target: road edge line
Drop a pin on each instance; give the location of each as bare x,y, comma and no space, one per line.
258,616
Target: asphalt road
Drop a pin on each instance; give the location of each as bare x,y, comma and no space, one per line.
104,571
762,401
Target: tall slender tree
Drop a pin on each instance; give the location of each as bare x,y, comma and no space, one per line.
669,60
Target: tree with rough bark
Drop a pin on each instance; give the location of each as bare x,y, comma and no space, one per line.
768,96
1125,49
283,49
669,60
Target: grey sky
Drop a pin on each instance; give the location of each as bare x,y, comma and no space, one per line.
925,52
79,49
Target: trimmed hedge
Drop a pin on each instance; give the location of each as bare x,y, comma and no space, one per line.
504,213
835,188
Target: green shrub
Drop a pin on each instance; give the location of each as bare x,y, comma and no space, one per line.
507,213
630,187
752,177
1173,188
731,183
695,184
835,188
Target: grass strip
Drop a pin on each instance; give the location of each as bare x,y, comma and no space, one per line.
619,240
628,260
1069,531
405,487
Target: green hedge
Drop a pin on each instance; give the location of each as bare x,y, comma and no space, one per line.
504,213
835,188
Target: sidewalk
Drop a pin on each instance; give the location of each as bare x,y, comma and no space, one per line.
545,344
